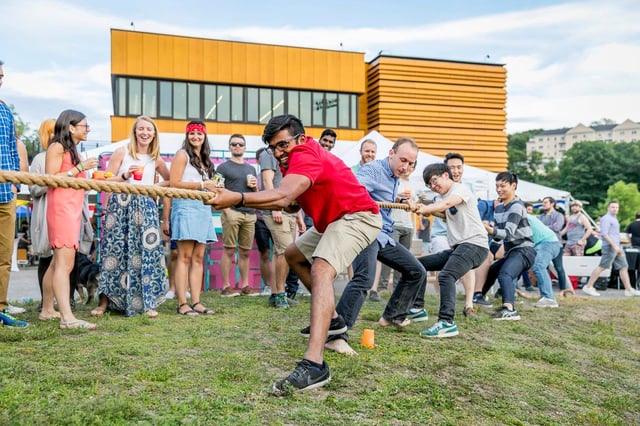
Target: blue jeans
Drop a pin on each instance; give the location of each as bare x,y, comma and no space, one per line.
562,276
453,264
545,253
398,257
507,270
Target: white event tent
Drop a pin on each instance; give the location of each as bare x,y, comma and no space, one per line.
482,181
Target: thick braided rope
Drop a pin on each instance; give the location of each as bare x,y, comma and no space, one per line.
102,185
126,188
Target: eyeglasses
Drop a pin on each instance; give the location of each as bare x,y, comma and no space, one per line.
84,125
433,181
236,144
282,145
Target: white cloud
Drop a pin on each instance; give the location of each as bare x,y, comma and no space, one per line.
568,63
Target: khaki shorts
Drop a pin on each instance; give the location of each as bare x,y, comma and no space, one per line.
281,233
342,241
238,229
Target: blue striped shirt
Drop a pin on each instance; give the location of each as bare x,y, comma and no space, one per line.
512,226
382,185
9,159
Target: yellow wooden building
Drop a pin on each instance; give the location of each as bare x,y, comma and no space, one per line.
236,87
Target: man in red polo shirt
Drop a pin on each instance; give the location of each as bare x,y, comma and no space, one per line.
346,220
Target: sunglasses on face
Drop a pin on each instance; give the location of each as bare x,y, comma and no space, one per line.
236,144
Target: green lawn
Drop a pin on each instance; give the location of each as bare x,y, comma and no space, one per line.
579,364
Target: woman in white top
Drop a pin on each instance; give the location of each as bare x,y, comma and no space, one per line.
191,224
132,276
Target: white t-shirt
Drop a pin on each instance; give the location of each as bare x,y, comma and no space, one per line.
463,221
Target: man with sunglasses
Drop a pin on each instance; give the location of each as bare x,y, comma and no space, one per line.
346,220
238,222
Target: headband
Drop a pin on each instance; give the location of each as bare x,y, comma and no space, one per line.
196,127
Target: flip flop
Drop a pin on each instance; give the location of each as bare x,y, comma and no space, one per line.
189,313
77,324
152,314
205,311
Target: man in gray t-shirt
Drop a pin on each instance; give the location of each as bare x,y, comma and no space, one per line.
467,239
238,222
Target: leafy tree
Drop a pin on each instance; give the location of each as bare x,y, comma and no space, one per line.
627,195
602,121
587,170
27,136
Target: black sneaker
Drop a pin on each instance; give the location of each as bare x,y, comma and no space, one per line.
305,376
374,296
337,326
506,314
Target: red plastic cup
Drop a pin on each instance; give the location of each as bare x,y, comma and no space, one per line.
137,175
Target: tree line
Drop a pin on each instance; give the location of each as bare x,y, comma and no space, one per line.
592,171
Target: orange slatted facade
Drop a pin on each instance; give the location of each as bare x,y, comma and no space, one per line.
161,56
445,106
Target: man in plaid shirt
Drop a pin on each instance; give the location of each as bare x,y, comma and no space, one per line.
9,160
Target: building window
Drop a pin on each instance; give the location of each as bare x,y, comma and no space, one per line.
135,97
166,99
150,98
194,110
224,103
182,100
237,104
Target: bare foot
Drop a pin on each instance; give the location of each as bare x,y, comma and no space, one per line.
341,346
98,312
46,316
382,322
152,314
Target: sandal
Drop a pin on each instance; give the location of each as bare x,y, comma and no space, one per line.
151,314
77,324
189,313
205,311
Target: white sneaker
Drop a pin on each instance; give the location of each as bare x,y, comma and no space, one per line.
629,293
12,310
545,302
266,291
590,291
170,295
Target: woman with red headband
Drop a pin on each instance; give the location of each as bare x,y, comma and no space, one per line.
131,273
191,224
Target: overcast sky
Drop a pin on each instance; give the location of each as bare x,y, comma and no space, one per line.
567,62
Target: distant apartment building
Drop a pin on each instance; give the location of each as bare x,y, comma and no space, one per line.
554,143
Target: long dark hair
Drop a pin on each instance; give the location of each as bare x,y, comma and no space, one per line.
62,135
202,162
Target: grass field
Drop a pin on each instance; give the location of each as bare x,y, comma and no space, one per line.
579,364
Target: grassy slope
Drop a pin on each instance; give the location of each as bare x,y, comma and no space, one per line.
575,365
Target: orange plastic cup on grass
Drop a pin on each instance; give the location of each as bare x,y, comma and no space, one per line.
368,340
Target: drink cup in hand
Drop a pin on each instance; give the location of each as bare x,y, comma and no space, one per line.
137,174
252,181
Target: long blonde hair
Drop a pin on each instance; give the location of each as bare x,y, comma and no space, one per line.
154,146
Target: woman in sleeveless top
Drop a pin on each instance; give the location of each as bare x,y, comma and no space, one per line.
132,278
64,213
191,224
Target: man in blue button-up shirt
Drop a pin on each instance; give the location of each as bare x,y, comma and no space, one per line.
9,160
381,178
